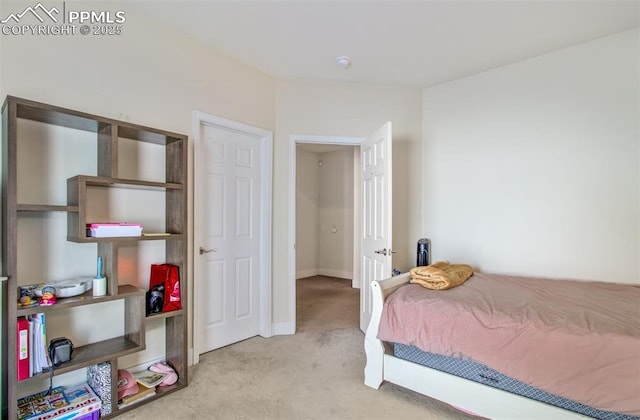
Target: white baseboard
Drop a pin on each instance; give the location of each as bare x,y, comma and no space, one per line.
335,273
306,273
282,328
324,272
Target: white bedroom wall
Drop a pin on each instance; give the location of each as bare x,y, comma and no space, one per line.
338,109
335,229
307,212
150,75
533,168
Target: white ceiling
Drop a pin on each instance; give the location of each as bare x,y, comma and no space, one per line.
393,42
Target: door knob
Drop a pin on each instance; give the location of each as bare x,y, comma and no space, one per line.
206,251
382,251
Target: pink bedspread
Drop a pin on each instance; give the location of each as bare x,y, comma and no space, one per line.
579,340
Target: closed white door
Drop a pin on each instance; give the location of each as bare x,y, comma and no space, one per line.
375,249
229,252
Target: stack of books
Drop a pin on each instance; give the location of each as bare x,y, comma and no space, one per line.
32,354
142,394
77,403
147,382
84,404
36,405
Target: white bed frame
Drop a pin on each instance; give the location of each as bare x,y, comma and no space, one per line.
464,394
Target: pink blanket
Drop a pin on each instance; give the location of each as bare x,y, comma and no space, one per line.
579,340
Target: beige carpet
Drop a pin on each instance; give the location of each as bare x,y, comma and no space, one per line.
315,374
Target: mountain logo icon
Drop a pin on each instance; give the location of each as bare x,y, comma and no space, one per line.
39,11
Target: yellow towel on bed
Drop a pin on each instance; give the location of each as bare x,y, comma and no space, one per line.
441,275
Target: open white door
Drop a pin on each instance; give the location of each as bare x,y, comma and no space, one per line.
375,250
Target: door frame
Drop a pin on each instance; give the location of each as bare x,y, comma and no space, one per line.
200,119
290,327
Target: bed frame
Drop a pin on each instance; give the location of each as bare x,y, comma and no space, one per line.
466,395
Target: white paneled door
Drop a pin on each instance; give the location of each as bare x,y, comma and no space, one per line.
229,251
375,249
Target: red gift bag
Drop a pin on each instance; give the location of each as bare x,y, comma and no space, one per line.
168,276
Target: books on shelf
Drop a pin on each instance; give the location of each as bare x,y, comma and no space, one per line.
32,355
39,404
77,402
40,358
113,229
22,350
83,403
149,379
142,394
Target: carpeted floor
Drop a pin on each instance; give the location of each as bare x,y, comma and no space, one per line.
315,374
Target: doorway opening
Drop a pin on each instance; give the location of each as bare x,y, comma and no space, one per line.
325,209
324,232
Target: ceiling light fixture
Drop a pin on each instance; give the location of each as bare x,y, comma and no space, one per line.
343,61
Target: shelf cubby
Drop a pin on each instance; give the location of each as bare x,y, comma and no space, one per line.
34,136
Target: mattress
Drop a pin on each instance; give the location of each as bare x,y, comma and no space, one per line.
542,332
480,373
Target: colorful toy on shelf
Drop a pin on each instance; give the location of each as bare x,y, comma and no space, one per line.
48,296
27,296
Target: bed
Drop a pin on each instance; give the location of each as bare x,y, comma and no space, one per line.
486,326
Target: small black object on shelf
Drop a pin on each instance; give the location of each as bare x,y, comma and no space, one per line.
423,257
155,299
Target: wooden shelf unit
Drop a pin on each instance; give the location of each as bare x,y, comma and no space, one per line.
108,135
